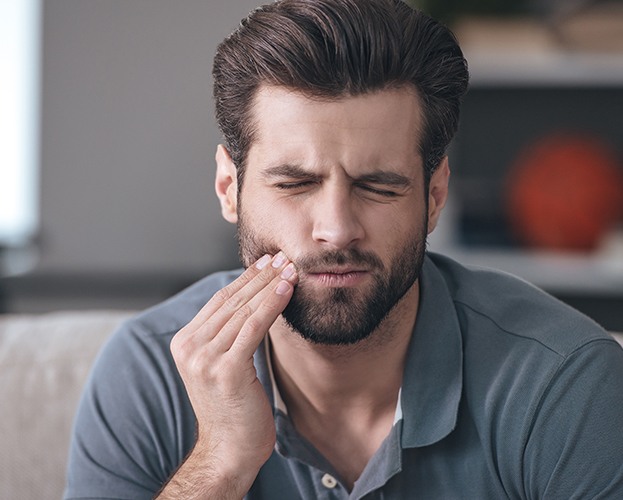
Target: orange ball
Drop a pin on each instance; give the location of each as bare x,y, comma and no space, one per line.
565,192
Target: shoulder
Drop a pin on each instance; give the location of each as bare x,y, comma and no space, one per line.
537,375
139,349
491,302
155,326
178,310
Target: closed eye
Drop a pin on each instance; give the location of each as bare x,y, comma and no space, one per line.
294,185
381,192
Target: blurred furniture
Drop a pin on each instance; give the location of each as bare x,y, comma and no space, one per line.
527,84
44,361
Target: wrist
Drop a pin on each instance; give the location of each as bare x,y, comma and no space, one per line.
204,475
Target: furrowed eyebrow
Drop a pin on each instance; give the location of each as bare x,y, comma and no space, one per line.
289,171
385,178
296,172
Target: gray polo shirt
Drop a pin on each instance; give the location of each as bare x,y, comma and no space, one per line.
507,393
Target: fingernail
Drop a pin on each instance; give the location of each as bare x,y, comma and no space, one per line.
282,288
261,264
288,271
279,260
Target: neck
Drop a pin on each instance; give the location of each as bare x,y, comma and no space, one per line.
328,379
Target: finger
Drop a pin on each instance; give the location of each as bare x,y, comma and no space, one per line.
237,308
254,287
257,325
228,332
220,297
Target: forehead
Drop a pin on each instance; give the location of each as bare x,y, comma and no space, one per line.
381,127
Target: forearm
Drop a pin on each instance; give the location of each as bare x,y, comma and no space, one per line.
199,477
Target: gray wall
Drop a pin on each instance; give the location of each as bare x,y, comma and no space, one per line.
128,137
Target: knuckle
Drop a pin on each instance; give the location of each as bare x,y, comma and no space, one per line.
222,296
268,275
254,323
242,313
236,302
201,365
200,368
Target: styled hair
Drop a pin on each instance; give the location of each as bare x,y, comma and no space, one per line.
330,49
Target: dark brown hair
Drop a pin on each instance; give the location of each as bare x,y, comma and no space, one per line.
330,49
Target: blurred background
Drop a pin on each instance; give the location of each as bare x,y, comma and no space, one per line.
108,139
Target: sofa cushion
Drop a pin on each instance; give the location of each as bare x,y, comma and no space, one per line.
44,361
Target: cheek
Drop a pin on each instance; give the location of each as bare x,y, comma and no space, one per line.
400,229
280,227
396,222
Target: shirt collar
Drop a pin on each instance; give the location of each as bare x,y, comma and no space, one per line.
433,378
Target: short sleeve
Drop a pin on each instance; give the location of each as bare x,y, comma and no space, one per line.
575,448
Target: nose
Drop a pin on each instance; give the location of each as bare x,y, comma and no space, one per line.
336,220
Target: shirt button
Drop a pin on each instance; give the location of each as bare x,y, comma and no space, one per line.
328,481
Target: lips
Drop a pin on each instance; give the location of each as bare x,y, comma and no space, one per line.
336,270
341,277
344,268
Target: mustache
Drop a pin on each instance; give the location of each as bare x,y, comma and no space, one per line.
351,257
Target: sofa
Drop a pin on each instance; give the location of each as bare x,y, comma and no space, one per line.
44,361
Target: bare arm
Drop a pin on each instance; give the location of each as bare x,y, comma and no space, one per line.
214,355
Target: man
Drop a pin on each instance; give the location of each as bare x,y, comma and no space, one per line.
345,362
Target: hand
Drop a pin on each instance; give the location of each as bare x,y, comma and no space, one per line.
214,356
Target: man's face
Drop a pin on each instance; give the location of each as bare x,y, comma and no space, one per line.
339,187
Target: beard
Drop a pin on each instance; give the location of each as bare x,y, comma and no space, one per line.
342,316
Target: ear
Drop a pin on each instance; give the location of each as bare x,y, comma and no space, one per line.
226,184
438,193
